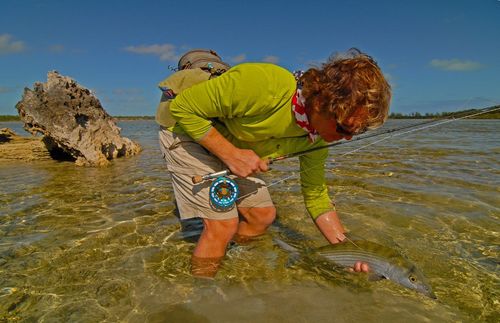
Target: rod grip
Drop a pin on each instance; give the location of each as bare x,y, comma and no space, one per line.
197,179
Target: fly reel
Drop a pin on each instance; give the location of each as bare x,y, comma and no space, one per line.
223,192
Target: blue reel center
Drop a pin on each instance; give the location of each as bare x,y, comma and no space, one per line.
223,192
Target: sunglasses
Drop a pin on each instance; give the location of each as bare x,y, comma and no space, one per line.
346,132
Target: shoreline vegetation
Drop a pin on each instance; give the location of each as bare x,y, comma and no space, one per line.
446,115
413,115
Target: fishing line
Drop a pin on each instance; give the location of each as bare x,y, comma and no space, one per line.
271,160
198,179
392,133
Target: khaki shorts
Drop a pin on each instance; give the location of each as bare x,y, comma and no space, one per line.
186,158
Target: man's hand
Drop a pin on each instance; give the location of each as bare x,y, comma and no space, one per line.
245,163
361,267
241,162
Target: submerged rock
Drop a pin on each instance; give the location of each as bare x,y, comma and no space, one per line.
73,122
17,148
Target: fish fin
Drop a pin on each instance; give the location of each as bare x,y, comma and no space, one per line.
294,254
375,277
292,260
283,245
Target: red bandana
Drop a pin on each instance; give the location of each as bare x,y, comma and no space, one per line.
299,111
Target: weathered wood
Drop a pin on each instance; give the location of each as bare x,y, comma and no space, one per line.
17,148
73,122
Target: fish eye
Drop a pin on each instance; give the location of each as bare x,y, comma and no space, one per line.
412,278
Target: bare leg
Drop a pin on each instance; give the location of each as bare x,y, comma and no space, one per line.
255,220
212,245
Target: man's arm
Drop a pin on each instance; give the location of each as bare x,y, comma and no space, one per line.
241,162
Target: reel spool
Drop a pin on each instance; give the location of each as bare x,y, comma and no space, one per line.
223,192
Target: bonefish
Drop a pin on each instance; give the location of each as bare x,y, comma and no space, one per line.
384,262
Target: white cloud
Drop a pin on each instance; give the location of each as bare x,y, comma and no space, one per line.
166,52
391,79
56,48
455,65
8,46
238,59
127,91
271,59
5,89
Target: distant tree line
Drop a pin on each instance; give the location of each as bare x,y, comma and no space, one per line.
9,118
444,115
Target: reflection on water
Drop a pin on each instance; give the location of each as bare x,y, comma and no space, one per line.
85,244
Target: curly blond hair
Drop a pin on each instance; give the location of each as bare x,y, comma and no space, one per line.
346,82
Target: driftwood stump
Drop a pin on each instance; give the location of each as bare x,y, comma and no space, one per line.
73,122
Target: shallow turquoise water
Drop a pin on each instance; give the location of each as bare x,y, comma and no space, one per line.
88,245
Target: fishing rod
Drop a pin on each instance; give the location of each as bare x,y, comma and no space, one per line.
450,117
224,191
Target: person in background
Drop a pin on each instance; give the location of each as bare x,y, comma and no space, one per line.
255,111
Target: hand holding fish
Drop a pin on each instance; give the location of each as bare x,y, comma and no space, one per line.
360,267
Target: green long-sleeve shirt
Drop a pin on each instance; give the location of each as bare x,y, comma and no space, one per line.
251,106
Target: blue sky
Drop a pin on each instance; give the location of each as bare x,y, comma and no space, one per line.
438,55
